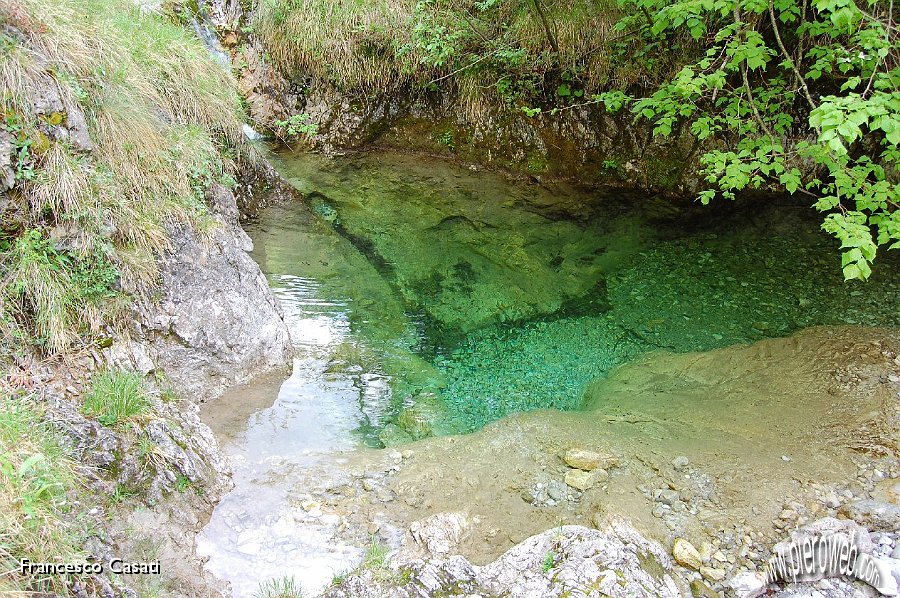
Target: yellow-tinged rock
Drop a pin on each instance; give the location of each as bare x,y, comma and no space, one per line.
686,555
589,460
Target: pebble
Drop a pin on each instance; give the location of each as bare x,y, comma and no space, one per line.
712,574
666,496
680,462
686,555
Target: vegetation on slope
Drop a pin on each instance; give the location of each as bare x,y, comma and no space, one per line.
37,488
792,95
113,124
84,219
519,52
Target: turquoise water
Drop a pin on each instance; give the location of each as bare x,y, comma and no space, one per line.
472,296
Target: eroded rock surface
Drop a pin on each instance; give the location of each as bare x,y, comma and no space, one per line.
566,561
214,321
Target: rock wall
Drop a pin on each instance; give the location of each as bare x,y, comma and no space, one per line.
582,143
213,322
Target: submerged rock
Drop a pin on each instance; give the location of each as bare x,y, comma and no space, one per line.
394,435
422,418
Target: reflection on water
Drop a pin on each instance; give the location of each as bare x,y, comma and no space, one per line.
267,527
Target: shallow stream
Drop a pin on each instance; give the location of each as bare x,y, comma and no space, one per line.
427,299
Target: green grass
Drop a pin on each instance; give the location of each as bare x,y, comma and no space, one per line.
284,587
549,561
37,482
115,397
162,117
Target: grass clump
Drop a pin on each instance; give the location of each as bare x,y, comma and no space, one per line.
88,215
284,587
116,396
36,485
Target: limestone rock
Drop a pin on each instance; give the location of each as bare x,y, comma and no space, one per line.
679,463
616,561
888,491
216,322
873,514
701,590
394,435
585,480
440,533
712,573
589,460
686,555
7,174
747,584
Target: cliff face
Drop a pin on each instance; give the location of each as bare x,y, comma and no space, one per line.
121,252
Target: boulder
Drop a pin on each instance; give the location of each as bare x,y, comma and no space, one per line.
565,561
213,322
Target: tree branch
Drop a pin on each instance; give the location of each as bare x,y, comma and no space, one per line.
787,56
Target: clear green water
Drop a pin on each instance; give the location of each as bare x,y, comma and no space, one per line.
476,297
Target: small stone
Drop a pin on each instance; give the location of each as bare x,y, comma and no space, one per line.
557,491
747,585
680,462
585,480
712,574
667,496
686,555
706,551
701,590
788,515
719,556
589,460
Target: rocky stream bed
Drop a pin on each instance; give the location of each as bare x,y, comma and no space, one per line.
700,412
